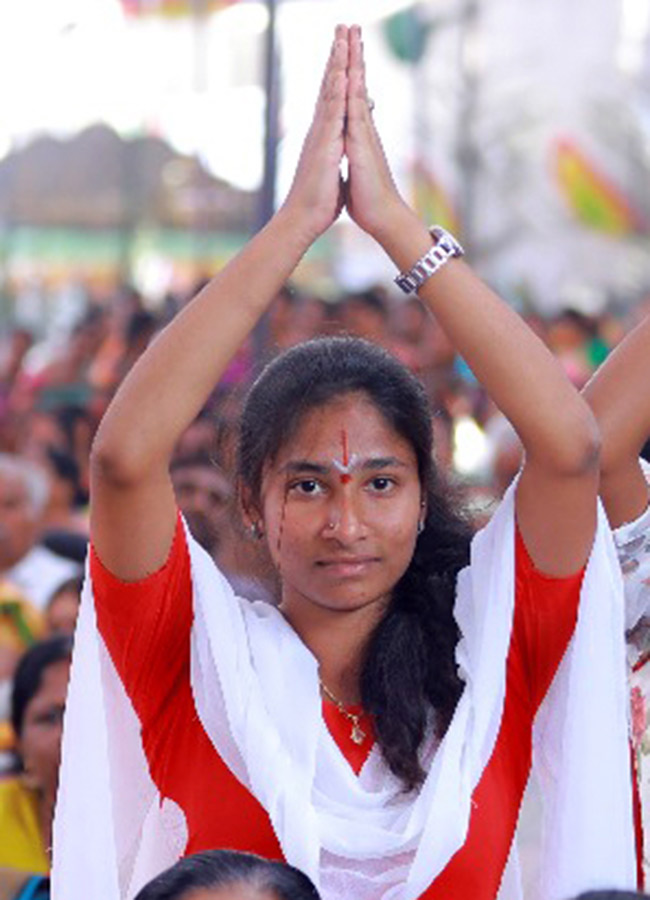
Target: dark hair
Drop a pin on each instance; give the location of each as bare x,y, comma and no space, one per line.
372,299
64,465
611,895
29,674
409,669
220,868
140,324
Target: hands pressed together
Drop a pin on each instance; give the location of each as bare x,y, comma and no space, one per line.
343,127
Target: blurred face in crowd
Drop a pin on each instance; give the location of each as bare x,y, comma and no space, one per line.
62,611
364,320
203,494
198,437
39,743
18,522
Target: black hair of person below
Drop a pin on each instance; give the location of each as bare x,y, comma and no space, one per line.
409,677
227,868
29,674
611,895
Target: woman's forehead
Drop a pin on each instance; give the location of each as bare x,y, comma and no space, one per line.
345,425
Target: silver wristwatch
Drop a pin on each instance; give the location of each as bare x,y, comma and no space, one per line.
445,248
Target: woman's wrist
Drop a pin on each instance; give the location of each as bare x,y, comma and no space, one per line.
403,235
295,229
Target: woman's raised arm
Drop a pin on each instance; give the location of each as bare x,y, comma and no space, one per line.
619,394
132,503
556,498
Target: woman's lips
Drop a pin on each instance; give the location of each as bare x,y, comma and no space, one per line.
347,566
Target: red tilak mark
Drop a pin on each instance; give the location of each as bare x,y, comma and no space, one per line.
346,478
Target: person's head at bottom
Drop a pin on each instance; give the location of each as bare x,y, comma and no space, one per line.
611,895
229,875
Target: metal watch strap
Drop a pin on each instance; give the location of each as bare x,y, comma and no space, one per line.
445,248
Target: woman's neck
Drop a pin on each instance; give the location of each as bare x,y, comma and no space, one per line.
338,640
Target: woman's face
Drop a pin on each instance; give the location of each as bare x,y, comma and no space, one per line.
62,612
39,744
341,506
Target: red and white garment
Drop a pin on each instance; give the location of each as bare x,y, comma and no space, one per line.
633,544
255,689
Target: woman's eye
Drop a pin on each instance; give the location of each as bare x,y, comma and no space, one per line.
49,717
306,486
382,483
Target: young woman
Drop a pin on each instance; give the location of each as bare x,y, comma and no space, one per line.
375,730
618,394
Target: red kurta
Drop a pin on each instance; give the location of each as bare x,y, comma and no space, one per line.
146,627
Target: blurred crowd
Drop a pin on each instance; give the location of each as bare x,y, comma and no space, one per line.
52,397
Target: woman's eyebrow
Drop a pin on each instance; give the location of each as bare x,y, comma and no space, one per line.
306,465
314,468
381,462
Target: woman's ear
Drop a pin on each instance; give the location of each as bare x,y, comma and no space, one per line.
250,512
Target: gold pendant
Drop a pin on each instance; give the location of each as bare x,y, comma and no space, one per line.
358,735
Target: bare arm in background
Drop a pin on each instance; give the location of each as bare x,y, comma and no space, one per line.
619,394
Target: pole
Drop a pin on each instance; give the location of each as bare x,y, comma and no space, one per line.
266,205
266,198
467,152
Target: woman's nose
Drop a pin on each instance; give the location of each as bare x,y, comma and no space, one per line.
345,520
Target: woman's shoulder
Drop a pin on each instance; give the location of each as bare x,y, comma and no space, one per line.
21,845
15,796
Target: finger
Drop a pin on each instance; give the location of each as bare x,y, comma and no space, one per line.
358,106
331,102
338,57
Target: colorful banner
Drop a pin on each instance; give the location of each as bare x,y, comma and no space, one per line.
432,201
592,195
141,8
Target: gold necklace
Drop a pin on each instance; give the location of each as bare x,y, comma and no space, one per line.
357,734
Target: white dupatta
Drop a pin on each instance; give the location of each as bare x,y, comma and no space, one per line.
256,690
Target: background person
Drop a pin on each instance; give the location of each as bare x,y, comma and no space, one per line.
24,562
619,396
27,796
